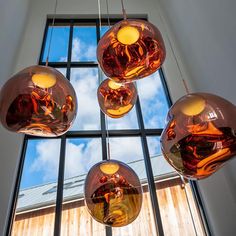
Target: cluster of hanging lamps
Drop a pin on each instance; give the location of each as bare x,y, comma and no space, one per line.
128,51
200,135
38,101
113,193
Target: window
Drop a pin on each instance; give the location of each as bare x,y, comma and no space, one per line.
53,170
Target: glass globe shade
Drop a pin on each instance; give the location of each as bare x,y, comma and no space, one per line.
38,101
113,193
116,99
131,50
200,134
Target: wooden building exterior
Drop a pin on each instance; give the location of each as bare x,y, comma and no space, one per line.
178,212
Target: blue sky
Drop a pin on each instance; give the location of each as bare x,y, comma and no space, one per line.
41,162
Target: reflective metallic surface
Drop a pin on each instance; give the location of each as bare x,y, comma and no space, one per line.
131,50
113,193
116,99
200,134
38,101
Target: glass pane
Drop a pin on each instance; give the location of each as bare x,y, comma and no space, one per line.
84,44
35,209
81,155
85,82
59,44
153,101
129,150
159,165
129,121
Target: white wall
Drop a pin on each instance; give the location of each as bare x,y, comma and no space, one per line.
12,17
204,31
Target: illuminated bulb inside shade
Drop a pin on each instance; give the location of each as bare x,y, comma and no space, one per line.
113,85
193,106
195,143
128,35
44,80
109,168
113,193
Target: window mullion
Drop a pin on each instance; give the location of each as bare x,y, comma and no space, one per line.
60,185
150,178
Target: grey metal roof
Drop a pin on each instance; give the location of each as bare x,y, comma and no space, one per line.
45,195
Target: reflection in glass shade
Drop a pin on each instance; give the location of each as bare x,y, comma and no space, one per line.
130,50
116,99
113,193
38,101
200,135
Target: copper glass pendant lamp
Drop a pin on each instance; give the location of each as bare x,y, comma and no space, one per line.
113,193
200,135
38,101
131,50
116,99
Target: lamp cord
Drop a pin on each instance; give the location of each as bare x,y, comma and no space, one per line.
106,119
50,38
108,15
99,15
189,207
173,52
123,10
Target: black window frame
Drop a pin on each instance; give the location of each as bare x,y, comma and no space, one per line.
140,132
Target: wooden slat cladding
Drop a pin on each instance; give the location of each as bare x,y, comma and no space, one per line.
76,221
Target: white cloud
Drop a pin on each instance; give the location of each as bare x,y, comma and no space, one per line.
79,158
150,89
47,159
85,82
82,50
63,59
126,149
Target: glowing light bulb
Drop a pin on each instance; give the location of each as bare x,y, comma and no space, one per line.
109,168
44,80
193,106
128,35
113,85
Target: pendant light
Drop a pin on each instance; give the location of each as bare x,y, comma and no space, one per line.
113,193
38,100
131,50
200,136
116,99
